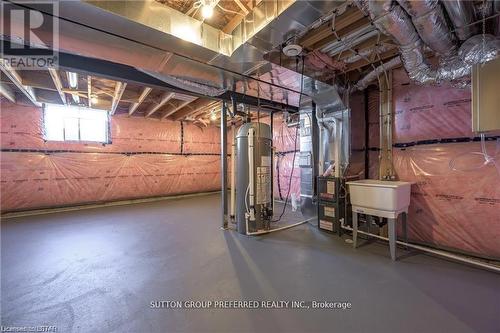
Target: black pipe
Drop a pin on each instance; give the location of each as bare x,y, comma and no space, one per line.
223,158
367,135
272,154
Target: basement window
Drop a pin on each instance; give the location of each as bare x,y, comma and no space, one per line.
76,124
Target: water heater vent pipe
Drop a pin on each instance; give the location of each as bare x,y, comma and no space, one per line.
251,173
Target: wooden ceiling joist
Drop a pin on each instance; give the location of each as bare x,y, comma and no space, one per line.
363,46
175,109
191,109
357,25
16,80
243,7
54,74
233,23
7,92
314,36
142,97
163,100
119,89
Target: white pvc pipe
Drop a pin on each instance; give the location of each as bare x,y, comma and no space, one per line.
233,174
436,252
251,132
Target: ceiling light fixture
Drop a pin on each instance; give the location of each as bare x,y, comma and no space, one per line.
213,115
94,99
207,9
72,79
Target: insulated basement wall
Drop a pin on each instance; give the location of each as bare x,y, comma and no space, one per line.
286,172
455,201
146,158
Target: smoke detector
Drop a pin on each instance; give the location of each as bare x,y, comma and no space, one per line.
292,47
292,50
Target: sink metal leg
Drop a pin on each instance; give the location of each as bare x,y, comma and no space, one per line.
405,228
354,229
392,237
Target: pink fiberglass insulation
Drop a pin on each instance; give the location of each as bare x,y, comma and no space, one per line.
423,112
142,161
286,172
455,202
37,180
457,208
286,142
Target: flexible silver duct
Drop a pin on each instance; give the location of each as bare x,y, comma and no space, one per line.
479,49
364,82
393,21
454,67
430,23
461,14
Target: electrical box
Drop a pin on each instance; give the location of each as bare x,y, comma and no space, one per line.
485,96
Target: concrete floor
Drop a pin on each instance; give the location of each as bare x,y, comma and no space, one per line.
98,270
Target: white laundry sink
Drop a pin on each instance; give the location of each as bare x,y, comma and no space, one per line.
383,195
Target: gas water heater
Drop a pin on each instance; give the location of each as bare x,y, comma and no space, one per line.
253,182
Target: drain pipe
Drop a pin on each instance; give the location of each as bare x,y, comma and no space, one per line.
251,184
444,254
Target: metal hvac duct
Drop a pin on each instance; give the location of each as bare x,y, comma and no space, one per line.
142,34
428,19
461,14
392,20
373,75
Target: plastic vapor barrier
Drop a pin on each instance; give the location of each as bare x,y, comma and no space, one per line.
145,158
455,201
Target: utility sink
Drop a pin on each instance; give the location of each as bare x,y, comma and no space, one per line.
393,196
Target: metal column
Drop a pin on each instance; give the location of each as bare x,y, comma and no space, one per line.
223,158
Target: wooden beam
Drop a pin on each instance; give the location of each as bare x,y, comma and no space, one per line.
163,100
119,89
193,108
233,23
346,30
57,83
16,79
205,109
315,36
143,96
243,7
175,109
367,44
37,79
7,92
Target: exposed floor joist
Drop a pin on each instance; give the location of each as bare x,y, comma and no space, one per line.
175,109
163,100
7,92
142,97
57,82
119,89
16,79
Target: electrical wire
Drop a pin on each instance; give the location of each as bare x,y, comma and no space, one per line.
294,146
